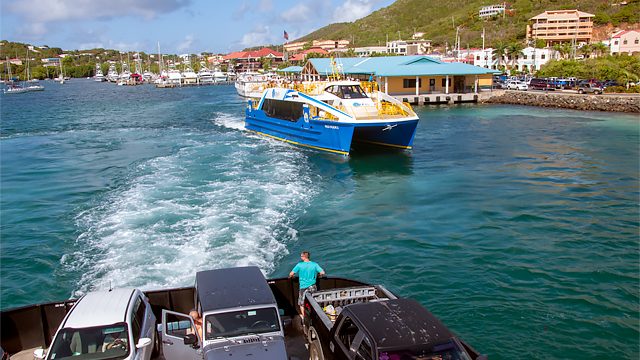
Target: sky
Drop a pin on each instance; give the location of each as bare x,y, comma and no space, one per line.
181,26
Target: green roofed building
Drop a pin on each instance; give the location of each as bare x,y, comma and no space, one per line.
407,77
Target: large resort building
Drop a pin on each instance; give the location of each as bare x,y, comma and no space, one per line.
561,26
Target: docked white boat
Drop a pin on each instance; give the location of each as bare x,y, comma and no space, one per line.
99,75
219,76
252,84
205,76
112,74
189,77
174,77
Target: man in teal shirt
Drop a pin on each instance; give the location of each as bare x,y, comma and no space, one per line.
306,271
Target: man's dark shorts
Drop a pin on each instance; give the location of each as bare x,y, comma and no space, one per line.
301,293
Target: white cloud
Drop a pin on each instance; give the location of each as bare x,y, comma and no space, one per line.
265,5
352,10
298,13
123,46
44,11
258,36
91,45
241,11
186,44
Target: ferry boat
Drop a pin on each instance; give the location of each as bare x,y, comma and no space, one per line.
28,331
332,115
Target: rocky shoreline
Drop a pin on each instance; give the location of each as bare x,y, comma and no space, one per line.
618,103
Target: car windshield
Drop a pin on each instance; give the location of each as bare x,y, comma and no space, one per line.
102,342
449,350
244,322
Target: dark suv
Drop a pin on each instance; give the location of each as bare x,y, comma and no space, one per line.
541,84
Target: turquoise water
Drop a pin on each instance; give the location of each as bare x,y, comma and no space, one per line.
517,226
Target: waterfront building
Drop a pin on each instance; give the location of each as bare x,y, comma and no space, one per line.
55,61
485,58
294,46
625,42
491,10
369,50
416,75
561,26
529,61
300,56
328,45
250,60
398,47
409,47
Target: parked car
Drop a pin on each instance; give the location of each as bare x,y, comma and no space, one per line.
590,88
241,319
517,85
370,322
114,324
541,84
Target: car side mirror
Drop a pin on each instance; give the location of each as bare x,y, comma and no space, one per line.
39,353
286,322
143,342
190,339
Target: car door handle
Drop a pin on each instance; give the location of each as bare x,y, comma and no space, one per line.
168,342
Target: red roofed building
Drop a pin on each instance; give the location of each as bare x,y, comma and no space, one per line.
625,42
250,60
299,57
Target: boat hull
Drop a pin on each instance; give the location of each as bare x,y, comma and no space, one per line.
326,135
392,134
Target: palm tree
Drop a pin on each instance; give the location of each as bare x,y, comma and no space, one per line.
500,50
515,50
563,49
586,50
599,49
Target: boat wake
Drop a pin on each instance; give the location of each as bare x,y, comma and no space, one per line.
229,121
207,206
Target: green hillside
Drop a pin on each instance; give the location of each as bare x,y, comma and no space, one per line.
439,19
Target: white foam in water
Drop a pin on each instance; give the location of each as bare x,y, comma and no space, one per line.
229,121
185,214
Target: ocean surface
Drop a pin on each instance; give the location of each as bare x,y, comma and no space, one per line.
517,226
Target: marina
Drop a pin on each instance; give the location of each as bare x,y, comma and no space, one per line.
514,225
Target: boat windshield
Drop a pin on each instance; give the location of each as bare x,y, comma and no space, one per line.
347,91
244,322
102,342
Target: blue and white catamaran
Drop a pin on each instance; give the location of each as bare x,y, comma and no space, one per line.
332,115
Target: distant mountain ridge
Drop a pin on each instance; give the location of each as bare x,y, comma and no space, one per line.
438,21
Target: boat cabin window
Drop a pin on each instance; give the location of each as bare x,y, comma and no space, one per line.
347,91
285,110
237,323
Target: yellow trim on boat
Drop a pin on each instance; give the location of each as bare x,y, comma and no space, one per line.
300,144
383,144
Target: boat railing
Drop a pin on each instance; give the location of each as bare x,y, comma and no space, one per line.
388,105
310,88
